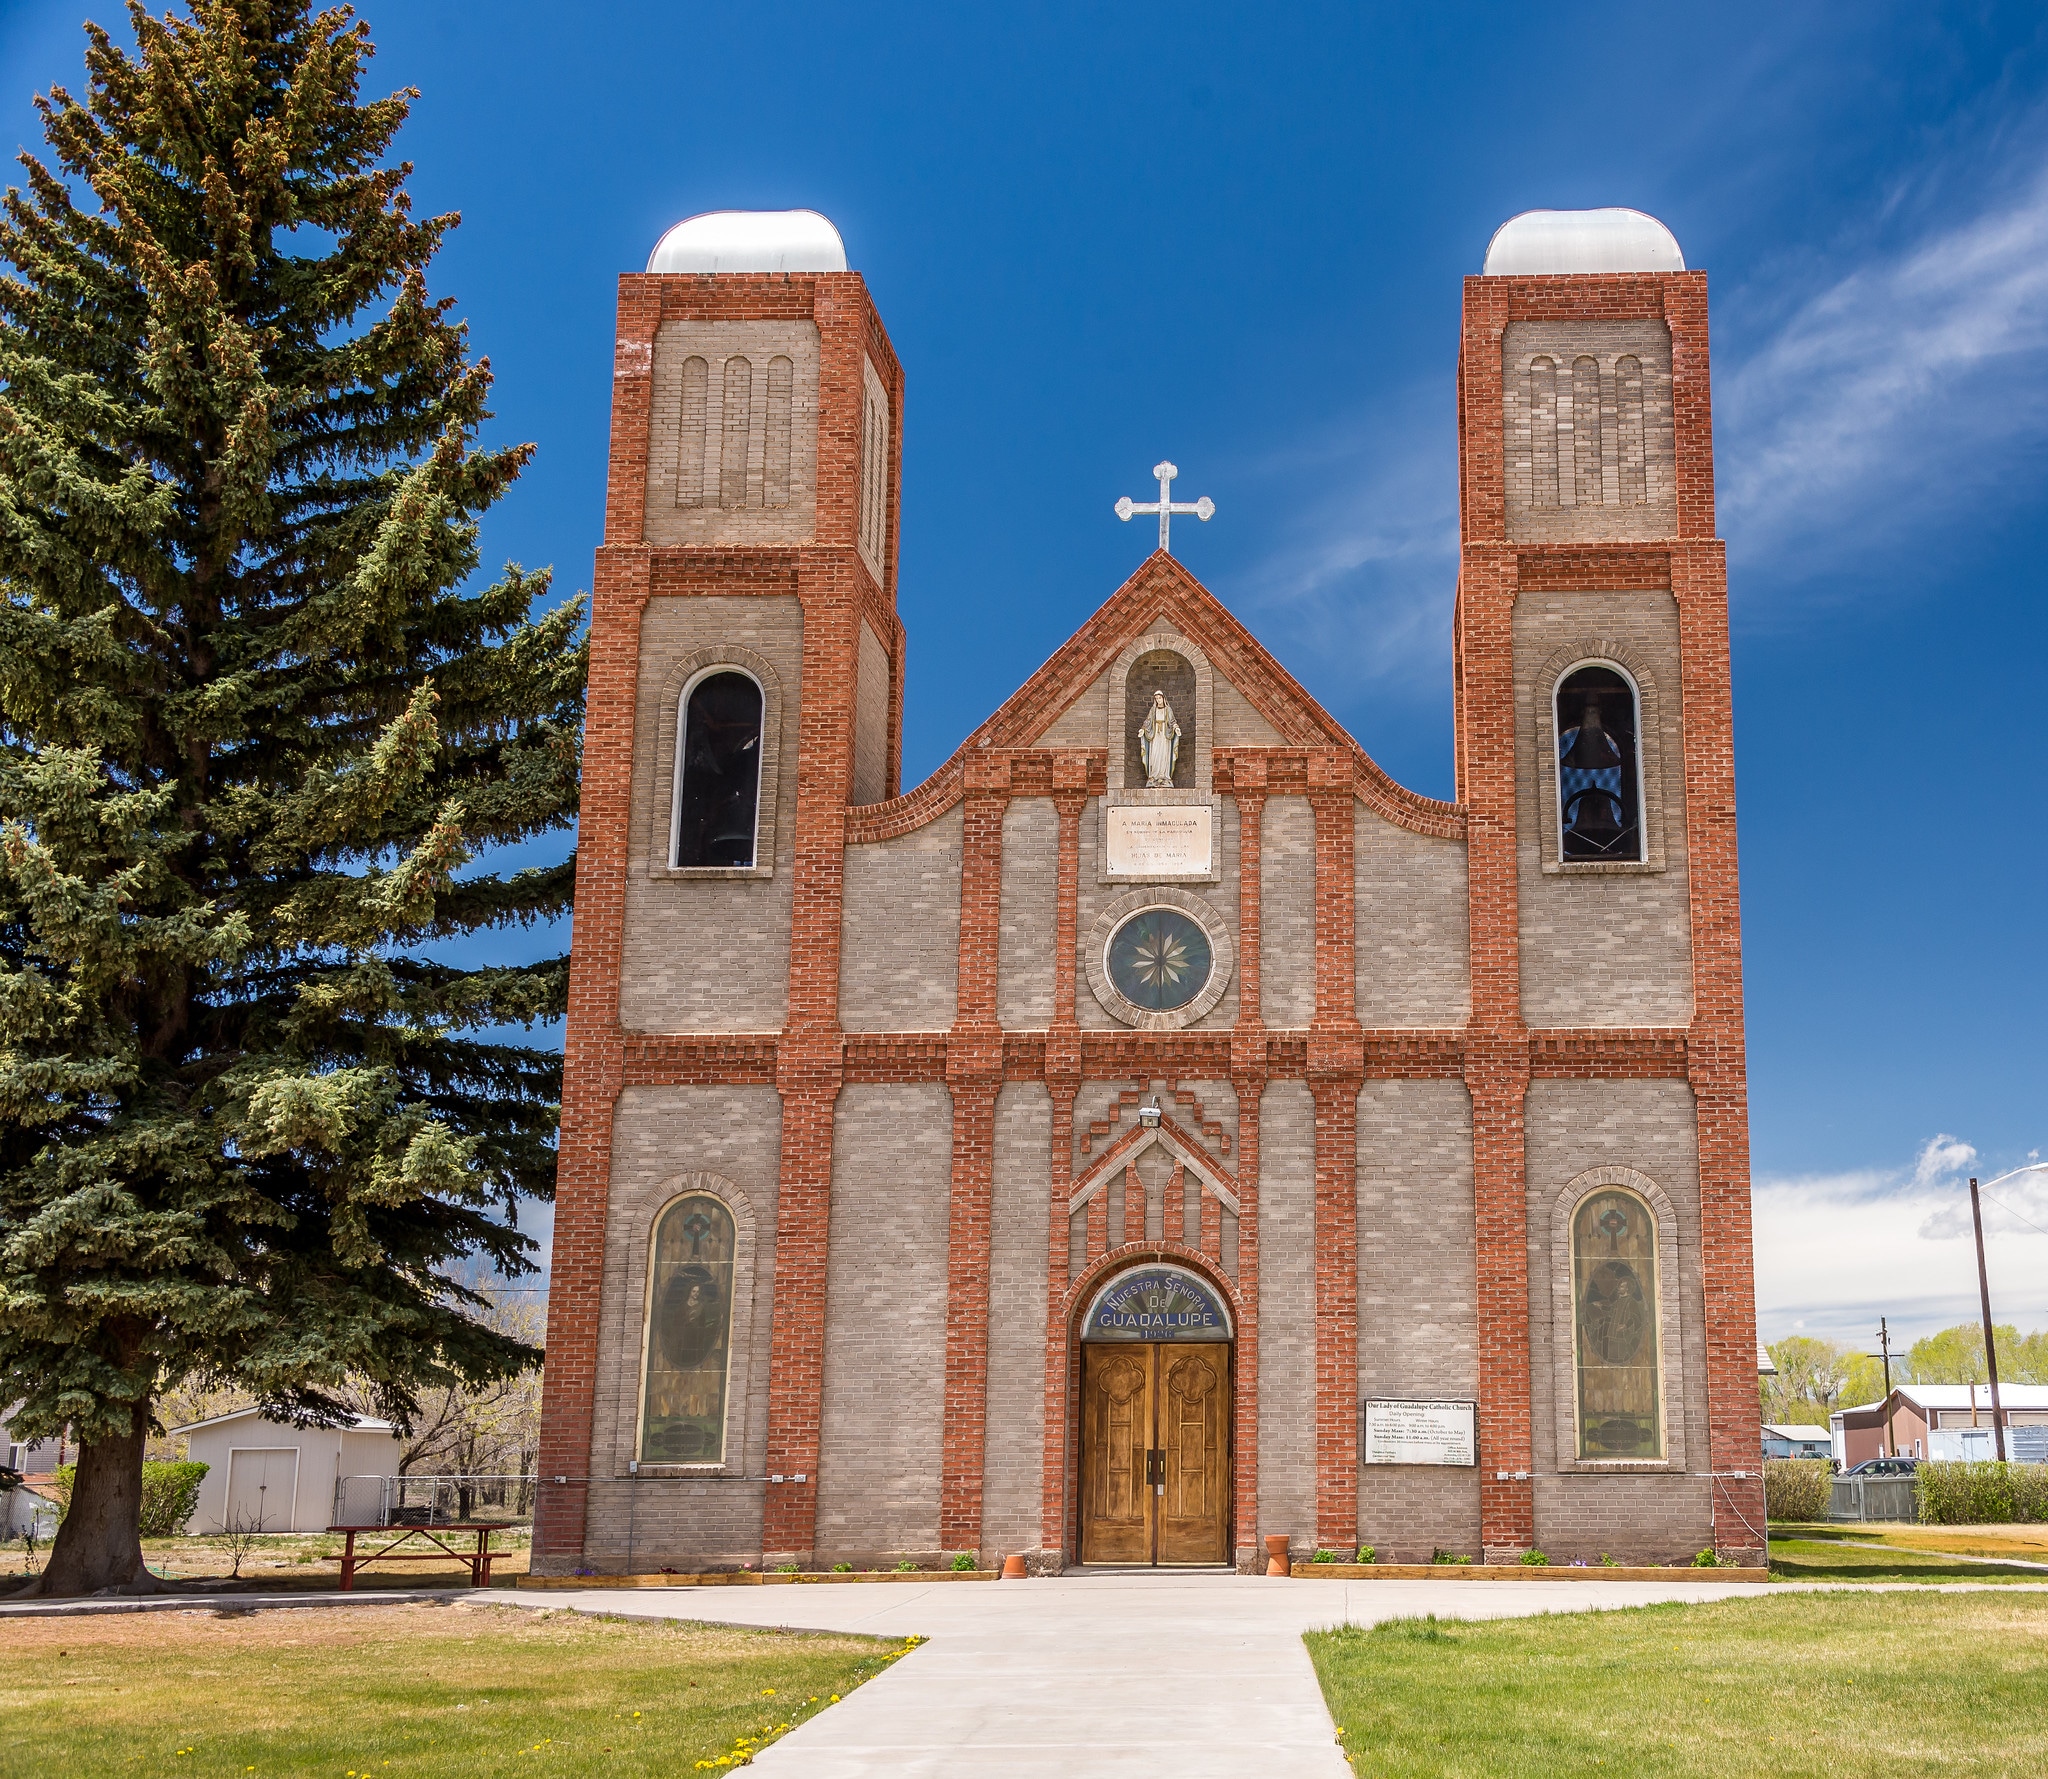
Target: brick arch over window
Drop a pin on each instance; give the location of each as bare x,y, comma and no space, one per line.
1670,1320
660,811
1595,651
642,1222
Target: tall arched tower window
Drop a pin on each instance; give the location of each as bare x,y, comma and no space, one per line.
718,771
1614,1326
1599,769
689,1334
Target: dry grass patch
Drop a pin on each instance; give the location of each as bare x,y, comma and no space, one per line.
1821,1686
394,1691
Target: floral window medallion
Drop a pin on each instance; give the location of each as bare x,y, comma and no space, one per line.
1158,958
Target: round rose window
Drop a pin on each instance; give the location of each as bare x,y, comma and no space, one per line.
1159,960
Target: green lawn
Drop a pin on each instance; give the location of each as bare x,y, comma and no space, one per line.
1845,1555
1831,1685
391,1692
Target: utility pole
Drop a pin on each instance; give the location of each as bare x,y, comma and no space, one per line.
1884,1351
1990,1341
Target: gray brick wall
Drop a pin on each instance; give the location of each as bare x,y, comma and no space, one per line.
1626,485
1030,913
1648,1126
659,1135
709,954
1084,723
885,1325
1287,1332
1287,925
1238,724
1602,949
1411,921
688,502
871,720
1013,1473
899,957
1418,1332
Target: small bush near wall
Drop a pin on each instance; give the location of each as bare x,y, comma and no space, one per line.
1796,1488
169,1494
1982,1494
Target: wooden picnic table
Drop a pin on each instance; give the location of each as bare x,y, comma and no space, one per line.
477,1561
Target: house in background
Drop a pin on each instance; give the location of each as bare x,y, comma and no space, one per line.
1944,1421
1783,1440
276,1478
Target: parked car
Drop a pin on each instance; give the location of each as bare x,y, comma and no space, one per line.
1885,1467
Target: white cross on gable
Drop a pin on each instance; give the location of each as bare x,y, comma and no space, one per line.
1165,506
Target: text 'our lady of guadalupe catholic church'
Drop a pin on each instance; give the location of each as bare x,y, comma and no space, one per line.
1158,1130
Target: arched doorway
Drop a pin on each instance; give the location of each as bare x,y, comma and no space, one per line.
1156,1420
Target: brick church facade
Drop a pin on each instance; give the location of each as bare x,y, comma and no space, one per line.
1057,1157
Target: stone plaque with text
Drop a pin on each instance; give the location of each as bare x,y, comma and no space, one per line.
1398,1432
1160,840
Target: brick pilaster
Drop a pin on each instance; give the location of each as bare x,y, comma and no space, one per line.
1336,1064
1248,1081
974,1073
1496,1043
593,1053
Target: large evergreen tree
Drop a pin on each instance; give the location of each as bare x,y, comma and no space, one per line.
256,730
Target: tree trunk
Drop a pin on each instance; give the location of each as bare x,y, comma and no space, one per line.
99,1545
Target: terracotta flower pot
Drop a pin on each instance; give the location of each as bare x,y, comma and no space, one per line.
1013,1567
1276,1555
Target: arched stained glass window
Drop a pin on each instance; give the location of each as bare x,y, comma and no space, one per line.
1614,1324
689,1334
1599,796
718,768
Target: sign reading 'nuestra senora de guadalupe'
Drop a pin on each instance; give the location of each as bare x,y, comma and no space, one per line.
1157,1303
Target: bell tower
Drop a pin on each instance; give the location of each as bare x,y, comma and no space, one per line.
750,536
1594,739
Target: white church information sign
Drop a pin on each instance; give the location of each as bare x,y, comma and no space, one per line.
1161,840
1421,1432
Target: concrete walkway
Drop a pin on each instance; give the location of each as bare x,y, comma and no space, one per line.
1097,1674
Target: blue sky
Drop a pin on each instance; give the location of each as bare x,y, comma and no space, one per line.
1235,237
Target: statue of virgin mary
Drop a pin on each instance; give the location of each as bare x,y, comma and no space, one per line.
1159,744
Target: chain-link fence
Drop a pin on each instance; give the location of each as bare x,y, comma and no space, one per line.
431,1500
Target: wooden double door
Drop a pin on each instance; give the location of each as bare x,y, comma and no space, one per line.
1155,1452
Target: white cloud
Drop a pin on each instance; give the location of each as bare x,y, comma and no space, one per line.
1368,558
1836,1251
1899,391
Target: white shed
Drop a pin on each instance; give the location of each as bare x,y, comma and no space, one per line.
276,1478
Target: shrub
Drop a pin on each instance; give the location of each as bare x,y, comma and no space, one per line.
1535,1559
964,1561
842,1568
1447,1556
905,1567
1327,1556
1797,1488
1367,1553
1710,1559
1982,1494
170,1491
789,1569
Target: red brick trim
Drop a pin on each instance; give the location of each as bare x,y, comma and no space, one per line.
1603,1054
1055,1461
1397,1053
974,1074
593,1064
965,1442
1716,1055
1591,568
